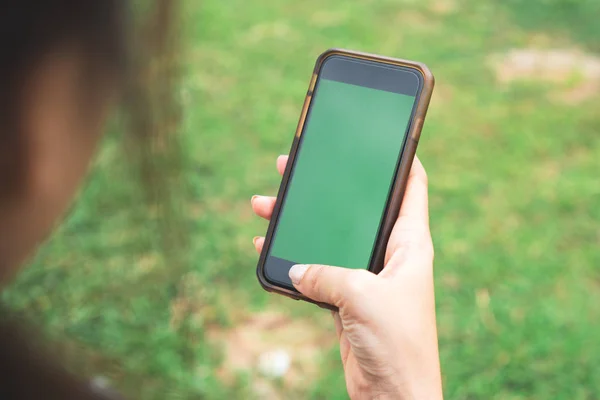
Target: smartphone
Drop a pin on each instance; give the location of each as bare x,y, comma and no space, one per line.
348,166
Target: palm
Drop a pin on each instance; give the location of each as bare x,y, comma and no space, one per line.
353,373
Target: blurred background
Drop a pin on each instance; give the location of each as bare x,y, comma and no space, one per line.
512,148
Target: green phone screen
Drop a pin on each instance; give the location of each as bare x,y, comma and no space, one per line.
341,180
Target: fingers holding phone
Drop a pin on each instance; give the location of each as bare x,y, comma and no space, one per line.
263,205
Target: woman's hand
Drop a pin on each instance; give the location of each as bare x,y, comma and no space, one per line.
386,323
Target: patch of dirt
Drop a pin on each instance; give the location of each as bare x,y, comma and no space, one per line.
303,339
579,93
443,7
575,69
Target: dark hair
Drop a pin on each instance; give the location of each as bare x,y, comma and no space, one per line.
103,31
29,30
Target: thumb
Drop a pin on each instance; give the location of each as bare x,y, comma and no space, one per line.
331,285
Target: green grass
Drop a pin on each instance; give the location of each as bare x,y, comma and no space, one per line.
514,191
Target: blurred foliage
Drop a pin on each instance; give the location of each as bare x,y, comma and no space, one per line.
576,18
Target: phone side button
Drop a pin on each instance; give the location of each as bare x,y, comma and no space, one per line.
416,131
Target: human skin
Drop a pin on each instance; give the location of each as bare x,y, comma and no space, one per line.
61,126
386,323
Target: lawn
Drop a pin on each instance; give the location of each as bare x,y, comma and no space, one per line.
513,157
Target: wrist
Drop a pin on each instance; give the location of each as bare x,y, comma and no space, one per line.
414,389
420,394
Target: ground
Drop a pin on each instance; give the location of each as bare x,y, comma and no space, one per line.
512,148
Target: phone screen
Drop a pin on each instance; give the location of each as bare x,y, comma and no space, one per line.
345,166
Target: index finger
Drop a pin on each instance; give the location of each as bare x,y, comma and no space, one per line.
282,163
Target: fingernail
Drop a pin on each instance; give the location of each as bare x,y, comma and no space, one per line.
253,198
255,239
297,273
